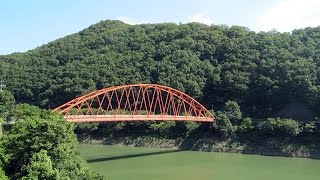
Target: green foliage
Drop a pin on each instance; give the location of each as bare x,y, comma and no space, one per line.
1,120
6,104
3,156
52,138
3,175
224,125
232,111
310,127
286,127
24,111
163,128
229,118
83,128
190,126
3,160
246,125
76,168
31,135
40,167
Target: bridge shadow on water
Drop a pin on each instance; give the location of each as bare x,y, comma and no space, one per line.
100,159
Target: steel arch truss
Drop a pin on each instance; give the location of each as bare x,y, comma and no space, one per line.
137,102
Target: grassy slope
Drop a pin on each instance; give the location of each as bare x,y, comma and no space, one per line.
149,163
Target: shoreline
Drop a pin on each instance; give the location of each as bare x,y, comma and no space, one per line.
207,145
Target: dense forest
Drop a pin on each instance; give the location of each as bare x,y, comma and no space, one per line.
262,71
262,84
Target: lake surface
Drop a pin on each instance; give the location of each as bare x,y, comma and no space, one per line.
121,162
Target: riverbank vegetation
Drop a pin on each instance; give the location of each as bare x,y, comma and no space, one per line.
230,133
38,145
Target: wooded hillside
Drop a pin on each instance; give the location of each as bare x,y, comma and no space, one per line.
262,71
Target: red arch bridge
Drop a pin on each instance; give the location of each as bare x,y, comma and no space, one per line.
137,102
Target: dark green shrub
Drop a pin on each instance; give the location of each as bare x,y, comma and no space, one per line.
281,127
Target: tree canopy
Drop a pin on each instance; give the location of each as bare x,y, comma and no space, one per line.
261,71
42,145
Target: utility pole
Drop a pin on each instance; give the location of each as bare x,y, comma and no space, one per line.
2,85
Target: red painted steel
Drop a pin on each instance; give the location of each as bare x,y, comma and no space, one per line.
136,102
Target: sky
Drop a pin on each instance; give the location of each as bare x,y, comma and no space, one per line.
27,24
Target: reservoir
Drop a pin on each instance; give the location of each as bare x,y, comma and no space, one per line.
122,162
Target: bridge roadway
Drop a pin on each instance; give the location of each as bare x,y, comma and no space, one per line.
112,118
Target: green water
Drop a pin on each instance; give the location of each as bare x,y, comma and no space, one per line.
132,163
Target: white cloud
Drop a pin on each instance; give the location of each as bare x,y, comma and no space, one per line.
288,15
201,18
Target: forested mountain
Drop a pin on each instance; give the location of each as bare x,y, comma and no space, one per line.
261,71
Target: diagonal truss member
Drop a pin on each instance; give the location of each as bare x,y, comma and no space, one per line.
136,102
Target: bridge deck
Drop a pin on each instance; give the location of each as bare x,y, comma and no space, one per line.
114,118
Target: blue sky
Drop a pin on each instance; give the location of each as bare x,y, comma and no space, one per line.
25,25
